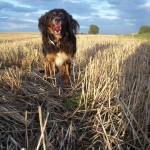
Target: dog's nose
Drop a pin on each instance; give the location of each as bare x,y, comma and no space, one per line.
57,20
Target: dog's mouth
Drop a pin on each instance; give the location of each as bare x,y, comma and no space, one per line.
57,29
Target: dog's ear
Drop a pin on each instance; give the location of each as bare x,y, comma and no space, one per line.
43,23
73,24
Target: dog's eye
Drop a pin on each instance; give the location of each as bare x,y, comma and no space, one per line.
53,15
61,16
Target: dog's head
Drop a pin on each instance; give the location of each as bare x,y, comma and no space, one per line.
57,22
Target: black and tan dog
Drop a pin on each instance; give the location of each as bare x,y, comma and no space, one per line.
58,30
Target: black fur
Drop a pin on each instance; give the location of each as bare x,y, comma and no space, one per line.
68,40
58,30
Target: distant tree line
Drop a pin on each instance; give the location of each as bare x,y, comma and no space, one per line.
94,29
144,29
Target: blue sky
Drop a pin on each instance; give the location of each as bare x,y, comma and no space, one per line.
111,16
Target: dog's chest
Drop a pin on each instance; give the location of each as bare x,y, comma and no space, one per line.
61,58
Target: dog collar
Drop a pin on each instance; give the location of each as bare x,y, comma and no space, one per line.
57,44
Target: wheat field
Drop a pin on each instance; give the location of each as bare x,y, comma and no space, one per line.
105,108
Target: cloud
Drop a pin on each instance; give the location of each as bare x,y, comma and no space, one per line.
80,1
112,16
106,14
129,9
125,2
104,10
97,9
80,17
133,13
13,24
5,6
15,17
72,1
130,22
145,6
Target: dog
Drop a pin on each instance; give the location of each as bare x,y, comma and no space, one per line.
58,29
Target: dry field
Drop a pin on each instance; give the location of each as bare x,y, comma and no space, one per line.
107,106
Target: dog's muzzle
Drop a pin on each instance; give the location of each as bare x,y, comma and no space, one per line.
57,25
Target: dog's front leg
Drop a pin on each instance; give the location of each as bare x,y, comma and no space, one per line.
65,72
50,68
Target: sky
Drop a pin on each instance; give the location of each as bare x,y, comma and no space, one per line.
111,16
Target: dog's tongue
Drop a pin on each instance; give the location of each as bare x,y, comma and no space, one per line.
57,28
